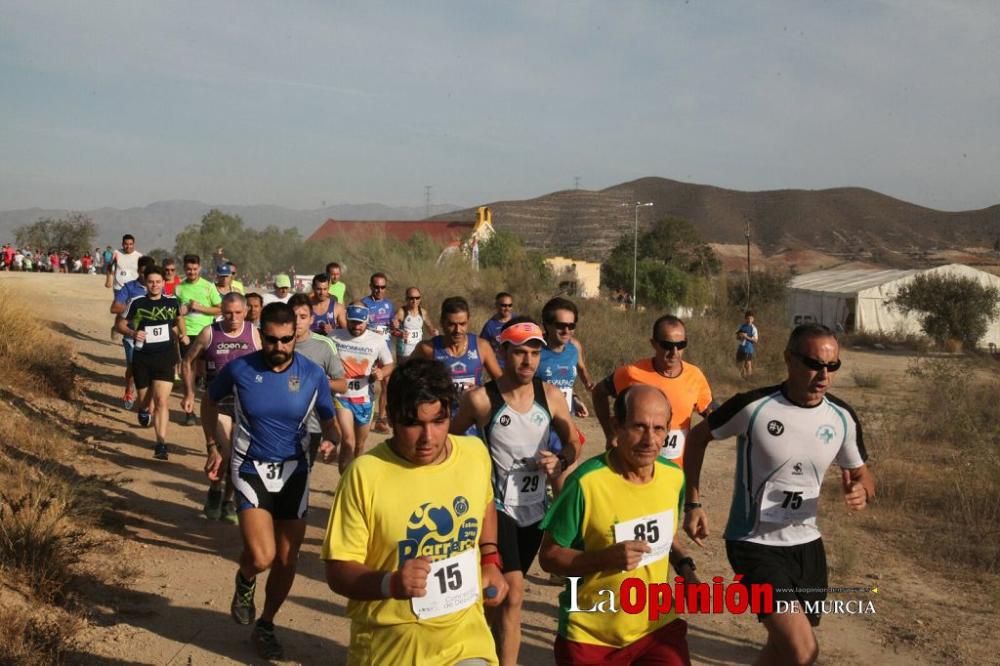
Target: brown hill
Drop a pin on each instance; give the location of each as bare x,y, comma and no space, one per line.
849,221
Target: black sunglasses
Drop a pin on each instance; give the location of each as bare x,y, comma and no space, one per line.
564,325
274,339
813,364
379,287
667,345
505,305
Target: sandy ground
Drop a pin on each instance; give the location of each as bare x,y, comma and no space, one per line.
175,610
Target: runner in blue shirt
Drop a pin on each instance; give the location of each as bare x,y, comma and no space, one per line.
276,390
504,303
381,312
748,337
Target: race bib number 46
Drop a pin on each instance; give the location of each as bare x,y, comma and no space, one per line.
452,585
656,529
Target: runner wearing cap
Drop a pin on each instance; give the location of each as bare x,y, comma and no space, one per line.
366,359
465,354
411,324
380,314
411,540
224,280
282,290
327,311
234,283
517,413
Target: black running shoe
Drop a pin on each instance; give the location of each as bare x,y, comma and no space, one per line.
213,504
145,418
266,642
242,608
190,419
160,451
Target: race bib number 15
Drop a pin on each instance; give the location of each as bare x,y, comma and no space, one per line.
452,585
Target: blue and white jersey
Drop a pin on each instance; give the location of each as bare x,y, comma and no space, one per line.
559,368
272,408
782,453
380,315
751,332
466,370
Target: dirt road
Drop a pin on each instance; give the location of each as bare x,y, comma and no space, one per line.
176,610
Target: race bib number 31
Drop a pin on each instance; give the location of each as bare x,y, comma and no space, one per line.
452,585
656,529
275,474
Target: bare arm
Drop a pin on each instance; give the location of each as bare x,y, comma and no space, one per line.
489,358
469,411
187,363
561,561
562,423
695,520
340,314
424,350
602,410
581,366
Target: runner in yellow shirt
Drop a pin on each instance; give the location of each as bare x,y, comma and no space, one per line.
411,540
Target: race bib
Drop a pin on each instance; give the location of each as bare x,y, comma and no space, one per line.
414,335
673,448
568,394
656,529
275,474
525,488
785,503
357,388
379,328
158,333
453,584
464,384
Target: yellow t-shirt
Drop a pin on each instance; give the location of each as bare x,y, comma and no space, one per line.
387,511
583,517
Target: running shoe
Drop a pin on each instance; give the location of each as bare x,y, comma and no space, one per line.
213,505
160,451
242,608
190,419
229,514
145,418
381,427
266,642
128,400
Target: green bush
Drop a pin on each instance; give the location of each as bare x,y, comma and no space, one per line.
950,307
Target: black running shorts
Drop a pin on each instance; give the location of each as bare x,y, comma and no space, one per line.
290,503
798,573
153,367
518,545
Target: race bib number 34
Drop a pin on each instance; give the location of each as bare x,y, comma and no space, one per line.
656,529
673,448
452,585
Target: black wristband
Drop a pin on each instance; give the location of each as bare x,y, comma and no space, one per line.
691,505
683,561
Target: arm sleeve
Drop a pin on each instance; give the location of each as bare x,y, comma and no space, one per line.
704,394
222,385
348,531
731,418
384,354
565,517
214,298
852,452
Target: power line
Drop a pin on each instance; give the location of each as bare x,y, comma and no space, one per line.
427,200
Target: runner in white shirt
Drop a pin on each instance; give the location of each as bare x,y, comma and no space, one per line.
411,324
124,266
367,360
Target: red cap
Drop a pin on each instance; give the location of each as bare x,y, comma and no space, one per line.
519,334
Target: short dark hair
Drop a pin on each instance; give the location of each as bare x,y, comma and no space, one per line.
192,259
277,313
805,331
145,263
669,320
152,269
415,382
332,264
300,301
254,294
169,261
128,237
558,303
454,305
320,277
748,313
378,275
503,294
234,297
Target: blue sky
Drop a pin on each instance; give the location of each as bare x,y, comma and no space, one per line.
300,103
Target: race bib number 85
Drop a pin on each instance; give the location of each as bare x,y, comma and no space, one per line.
656,529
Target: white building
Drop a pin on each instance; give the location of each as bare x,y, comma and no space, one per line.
858,300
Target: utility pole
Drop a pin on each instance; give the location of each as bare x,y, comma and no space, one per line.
427,200
576,182
635,251
747,232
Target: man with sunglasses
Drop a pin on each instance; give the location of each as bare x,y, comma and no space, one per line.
380,314
562,358
411,324
504,304
276,390
170,277
787,437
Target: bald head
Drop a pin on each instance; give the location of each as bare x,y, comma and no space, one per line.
640,397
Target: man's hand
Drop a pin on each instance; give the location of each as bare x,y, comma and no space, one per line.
493,577
185,340
327,449
549,463
193,307
625,556
696,525
855,494
326,328
187,402
213,463
140,336
411,578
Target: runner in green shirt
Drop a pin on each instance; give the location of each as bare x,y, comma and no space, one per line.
200,302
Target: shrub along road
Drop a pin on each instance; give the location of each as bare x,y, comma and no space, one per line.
175,610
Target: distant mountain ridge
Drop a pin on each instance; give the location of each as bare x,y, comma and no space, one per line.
587,224
156,225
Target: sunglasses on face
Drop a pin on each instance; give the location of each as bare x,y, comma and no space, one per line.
274,339
413,298
378,287
505,305
668,345
817,365
564,325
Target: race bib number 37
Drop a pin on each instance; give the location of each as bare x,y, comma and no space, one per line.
452,585
656,529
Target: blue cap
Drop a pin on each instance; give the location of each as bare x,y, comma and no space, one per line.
357,313
223,270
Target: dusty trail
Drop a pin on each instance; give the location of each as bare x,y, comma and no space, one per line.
176,610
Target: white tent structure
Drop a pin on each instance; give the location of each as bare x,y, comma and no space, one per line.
858,300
